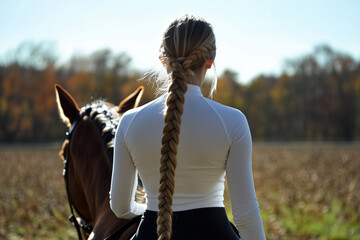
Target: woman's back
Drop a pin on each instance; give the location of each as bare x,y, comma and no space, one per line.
207,131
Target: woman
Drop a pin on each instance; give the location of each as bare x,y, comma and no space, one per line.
194,142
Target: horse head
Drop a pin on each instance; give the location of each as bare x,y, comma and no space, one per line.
87,154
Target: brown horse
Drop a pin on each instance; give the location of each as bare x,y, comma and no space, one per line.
88,164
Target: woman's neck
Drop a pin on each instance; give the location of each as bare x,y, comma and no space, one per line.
198,78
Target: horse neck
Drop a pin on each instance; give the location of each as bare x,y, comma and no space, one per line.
94,173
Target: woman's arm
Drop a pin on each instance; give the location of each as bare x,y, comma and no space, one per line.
124,181
245,207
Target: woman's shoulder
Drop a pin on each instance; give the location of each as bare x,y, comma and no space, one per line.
224,110
129,116
133,112
234,121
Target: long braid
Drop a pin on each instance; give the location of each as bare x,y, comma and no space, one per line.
187,44
170,140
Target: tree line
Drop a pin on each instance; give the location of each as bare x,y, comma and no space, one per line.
317,97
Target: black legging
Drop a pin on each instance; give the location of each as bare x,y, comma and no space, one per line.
202,223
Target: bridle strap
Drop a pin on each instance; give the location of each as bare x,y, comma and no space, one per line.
88,229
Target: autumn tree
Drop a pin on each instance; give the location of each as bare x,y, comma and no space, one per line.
317,97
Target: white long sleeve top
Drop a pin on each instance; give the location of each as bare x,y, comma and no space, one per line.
215,141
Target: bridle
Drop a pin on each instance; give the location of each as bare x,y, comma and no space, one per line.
82,225
88,228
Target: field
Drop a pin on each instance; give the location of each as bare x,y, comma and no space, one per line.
306,191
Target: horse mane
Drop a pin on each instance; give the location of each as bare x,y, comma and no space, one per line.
106,120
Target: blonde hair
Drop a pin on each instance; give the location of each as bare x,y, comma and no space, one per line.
187,44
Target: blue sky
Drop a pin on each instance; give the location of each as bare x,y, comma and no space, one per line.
253,37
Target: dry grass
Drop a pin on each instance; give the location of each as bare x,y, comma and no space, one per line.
304,193
33,201
308,192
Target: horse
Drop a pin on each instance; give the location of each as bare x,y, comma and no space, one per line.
87,154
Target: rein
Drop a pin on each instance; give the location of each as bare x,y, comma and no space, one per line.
86,227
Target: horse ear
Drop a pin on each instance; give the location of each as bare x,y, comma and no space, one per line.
132,101
68,108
